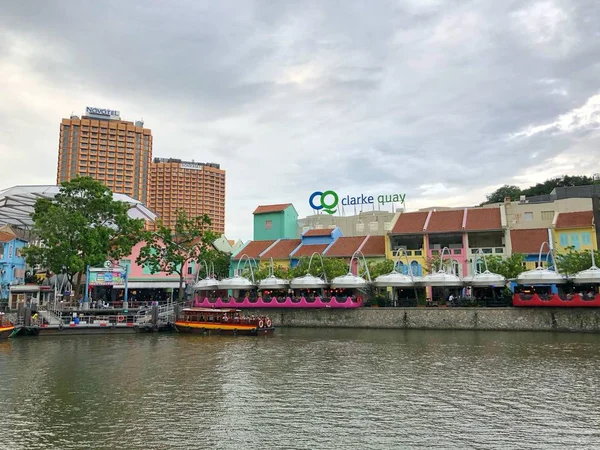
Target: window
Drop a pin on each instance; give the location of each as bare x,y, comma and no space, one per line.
373,227
268,224
547,215
360,227
387,226
575,240
528,216
564,240
586,238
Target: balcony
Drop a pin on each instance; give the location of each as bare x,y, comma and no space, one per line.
453,251
487,250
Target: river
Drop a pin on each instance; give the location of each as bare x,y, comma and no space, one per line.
302,389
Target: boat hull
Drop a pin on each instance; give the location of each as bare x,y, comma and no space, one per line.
5,332
222,329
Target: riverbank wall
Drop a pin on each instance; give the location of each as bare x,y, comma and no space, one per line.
582,320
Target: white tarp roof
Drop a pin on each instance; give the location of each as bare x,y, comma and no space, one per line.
17,203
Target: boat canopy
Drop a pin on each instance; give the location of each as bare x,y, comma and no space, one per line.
272,282
588,276
485,279
441,279
308,281
236,282
541,276
207,284
395,279
348,281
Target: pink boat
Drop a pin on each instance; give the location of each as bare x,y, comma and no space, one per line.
274,302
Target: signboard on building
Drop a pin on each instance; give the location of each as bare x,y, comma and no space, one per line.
329,200
92,111
106,278
191,165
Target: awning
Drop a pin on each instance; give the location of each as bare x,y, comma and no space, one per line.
149,285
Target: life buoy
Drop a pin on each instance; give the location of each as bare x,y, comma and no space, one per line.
120,318
260,323
268,322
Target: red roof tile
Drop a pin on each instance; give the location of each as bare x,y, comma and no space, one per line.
528,241
445,221
309,249
318,232
263,209
412,222
6,237
580,219
345,247
375,246
282,249
253,249
483,219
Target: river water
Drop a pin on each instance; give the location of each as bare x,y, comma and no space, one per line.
302,389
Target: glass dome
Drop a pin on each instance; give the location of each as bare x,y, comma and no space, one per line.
348,281
308,281
486,278
588,276
541,276
272,282
395,279
237,282
207,284
440,279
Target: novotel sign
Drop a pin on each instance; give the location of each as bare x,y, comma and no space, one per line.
329,200
101,112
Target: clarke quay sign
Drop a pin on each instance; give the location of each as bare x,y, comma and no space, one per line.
328,201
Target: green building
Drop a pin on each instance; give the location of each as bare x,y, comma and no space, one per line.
272,222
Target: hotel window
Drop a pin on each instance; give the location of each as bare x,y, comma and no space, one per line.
547,215
528,216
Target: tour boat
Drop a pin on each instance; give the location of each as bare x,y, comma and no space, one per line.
6,328
222,321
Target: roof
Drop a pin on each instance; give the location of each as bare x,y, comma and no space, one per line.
318,232
264,209
6,237
480,219
17,204
374,246
309,249
282,249
446,221
580,219
528,241
253,249
411,222
345,246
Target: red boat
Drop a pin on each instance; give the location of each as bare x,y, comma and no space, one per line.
6,327
222,321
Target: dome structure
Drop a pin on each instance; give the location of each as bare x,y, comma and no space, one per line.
236,282
272,282
541,276
308,281
395,279
442,279
348,281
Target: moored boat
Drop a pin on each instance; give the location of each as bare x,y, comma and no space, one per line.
222,321
6,327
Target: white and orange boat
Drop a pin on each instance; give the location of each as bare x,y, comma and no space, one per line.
6,327
222,321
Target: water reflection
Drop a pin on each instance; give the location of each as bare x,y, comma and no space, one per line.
303,389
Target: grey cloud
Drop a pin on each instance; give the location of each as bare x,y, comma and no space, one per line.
291,96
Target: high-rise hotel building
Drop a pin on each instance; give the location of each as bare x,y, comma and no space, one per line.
111,150
196,188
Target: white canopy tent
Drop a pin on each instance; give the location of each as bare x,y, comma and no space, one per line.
17,204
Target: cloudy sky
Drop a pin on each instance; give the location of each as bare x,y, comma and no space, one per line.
442,100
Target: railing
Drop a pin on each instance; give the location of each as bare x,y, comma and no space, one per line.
486,250
411,252
279,302
453,251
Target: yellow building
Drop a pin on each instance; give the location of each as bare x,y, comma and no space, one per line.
574,229
408,233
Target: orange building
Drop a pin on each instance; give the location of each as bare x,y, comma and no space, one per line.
108,149
196,188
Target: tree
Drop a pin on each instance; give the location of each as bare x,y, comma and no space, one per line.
334,267
170,251
263,271
501,193
573,261
377,268
221,262
81,226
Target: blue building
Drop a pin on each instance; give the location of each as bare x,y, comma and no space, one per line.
12,262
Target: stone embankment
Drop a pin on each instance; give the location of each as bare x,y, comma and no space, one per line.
508,319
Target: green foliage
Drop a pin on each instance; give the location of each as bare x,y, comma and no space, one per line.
377,268
82,225
169,250
263,270
539,189
572,261
432,264
509,267
334,267
221,262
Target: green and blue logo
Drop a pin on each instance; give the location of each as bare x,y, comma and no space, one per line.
326,201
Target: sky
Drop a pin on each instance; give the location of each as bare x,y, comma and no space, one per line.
441,100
